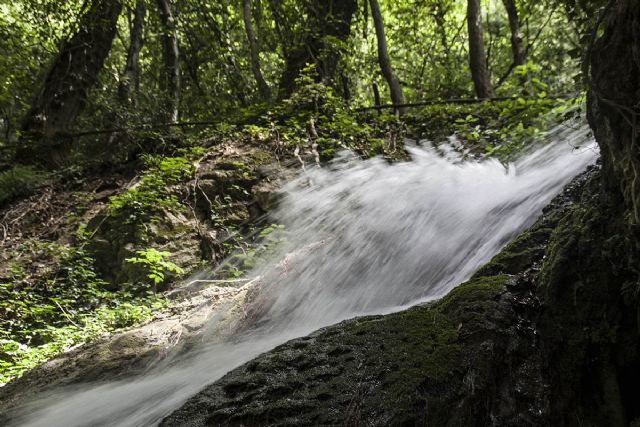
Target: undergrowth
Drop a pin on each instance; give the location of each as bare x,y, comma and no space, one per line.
19,181
66,305
315,115
143,202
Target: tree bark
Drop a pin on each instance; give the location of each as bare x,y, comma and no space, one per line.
171,60
389,74
64,91
130,77
517,49
477,55
263,88
326,19
613,102
377,101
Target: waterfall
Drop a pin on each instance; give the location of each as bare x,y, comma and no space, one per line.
360,237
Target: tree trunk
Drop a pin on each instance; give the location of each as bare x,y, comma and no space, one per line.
64,91
477,54
439,11
517,49
327,19
171,60
263,88
383,57
130,78
232,70
614,97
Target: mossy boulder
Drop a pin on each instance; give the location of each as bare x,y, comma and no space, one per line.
546,334
474,358
384,369
218,197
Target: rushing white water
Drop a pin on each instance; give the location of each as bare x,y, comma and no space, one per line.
363,237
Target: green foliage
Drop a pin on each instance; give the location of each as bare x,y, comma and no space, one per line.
143,202
500,129
68,306
530,81
312,95
155,263
268,241
335,124
426,42
19,181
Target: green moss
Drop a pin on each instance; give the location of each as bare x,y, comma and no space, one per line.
374,363
519,254
472,358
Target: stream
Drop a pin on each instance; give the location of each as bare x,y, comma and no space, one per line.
359,237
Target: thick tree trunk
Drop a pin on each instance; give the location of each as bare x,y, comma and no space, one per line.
477,54
614,97
171,60
383,57
517,49
263,88
71,75
129,80
326,19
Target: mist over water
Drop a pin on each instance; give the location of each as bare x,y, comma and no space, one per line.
362,237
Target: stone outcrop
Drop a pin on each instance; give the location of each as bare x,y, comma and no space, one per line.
523,342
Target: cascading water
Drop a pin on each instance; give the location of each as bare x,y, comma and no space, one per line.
362,237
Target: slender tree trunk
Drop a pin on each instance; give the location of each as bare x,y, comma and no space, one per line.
365,19
439,12
130,78
377,101
171,59
517,49
71,75
383,57
477,54
231,69
263,88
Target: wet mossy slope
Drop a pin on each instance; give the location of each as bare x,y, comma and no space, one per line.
382,368
477,357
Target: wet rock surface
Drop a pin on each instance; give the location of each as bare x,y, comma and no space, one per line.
131,352
232,169
483,355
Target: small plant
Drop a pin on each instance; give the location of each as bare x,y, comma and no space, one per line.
68,304
142,203
157,266
269,241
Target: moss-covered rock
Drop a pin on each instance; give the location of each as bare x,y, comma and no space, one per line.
382,368
212,203
591,344
475,357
